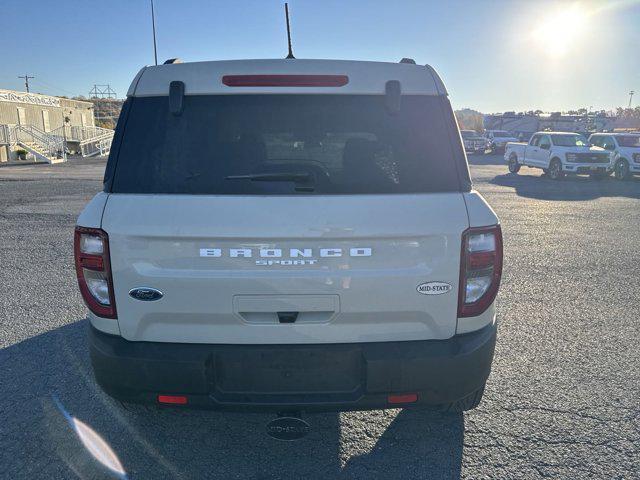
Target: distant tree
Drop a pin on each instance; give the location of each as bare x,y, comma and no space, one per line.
469,119
106,123
633,113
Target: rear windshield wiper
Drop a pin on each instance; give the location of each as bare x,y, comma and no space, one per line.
303,180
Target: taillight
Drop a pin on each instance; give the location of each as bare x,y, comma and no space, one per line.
480,269
93,269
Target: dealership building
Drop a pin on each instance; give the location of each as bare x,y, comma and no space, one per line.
34,123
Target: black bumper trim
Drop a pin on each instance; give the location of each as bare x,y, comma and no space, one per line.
356,376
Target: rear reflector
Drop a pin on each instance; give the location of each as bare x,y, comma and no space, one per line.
407,398
285,80
173,399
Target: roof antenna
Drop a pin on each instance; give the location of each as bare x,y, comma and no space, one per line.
286,11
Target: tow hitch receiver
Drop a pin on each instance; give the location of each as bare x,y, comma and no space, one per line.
288,426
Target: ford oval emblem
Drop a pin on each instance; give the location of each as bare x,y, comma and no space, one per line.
146,294
287,428
433,288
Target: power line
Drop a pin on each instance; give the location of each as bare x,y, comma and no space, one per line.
26,80
54,87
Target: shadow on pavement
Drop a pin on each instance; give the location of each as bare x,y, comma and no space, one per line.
54,414
486,159
533,185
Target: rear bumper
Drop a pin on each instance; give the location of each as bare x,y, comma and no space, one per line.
319,377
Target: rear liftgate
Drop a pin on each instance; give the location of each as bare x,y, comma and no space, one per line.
289,425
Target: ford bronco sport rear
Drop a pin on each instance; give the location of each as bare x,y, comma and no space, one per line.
290,234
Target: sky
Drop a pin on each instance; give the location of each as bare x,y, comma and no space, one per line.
492,55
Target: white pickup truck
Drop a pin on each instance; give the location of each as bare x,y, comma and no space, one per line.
625,152
559,153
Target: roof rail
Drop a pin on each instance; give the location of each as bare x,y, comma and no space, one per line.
172,60
408,60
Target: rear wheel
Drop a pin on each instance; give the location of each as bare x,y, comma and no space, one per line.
555,170
621,170
514,166
469,402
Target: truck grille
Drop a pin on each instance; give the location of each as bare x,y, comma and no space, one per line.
592,158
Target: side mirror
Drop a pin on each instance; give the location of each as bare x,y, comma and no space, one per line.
545,146
609,146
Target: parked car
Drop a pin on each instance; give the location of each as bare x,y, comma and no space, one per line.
557,154
625,152
286,235
496,140
472,141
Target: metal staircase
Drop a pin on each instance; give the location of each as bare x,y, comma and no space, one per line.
51,147
92,140
43,146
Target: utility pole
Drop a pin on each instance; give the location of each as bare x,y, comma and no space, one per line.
630,97
153,24
26,80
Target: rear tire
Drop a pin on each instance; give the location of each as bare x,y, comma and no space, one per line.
621,170
555,170
514,166
469,402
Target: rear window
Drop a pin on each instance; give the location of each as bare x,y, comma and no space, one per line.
286,144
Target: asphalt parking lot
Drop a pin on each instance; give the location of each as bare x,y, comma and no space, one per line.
562,401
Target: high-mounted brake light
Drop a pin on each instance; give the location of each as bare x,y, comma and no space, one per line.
93,269
285,80
480,269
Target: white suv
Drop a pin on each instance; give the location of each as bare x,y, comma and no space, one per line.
289,234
